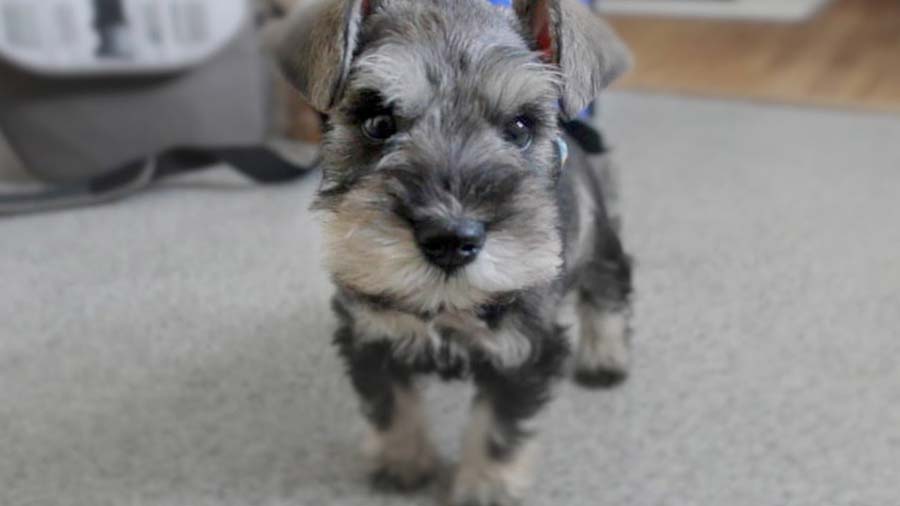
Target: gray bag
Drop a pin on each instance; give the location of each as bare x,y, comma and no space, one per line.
105,126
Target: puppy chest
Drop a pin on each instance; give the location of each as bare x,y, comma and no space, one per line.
442,344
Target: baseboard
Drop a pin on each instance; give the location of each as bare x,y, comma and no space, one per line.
769,10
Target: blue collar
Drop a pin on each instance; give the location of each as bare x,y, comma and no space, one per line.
562,151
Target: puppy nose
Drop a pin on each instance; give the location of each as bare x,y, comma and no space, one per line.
450,244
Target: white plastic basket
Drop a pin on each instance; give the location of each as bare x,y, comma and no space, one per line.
108,37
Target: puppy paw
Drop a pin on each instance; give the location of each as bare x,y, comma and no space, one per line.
603,355
600,378
403,466
486,482
401,478
472,490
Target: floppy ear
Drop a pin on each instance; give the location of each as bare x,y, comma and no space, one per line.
315,45
588,52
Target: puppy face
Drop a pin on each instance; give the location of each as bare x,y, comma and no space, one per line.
440,163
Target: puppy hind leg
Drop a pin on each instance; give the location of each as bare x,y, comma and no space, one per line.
602,357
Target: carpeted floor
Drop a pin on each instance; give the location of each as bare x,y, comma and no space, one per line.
174,350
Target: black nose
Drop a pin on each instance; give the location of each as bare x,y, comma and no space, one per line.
450,244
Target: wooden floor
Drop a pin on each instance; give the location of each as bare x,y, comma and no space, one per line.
847,56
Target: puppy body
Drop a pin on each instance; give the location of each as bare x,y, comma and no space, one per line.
507,328
444,116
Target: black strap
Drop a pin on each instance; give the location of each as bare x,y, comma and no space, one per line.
588,138
258,163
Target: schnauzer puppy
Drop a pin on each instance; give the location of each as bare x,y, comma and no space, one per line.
461,241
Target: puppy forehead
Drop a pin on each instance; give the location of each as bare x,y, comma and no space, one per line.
432,51
411,78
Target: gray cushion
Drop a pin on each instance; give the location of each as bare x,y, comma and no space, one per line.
65,129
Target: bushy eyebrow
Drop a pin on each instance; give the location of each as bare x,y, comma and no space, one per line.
366,103
514,81
398,74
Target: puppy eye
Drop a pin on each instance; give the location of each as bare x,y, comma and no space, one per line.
379,128
519,131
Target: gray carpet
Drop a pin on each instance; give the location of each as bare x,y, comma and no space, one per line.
174,350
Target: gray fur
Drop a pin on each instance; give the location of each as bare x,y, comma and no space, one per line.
453,74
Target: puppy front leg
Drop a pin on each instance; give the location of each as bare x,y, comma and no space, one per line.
403,456
498,448
495,469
